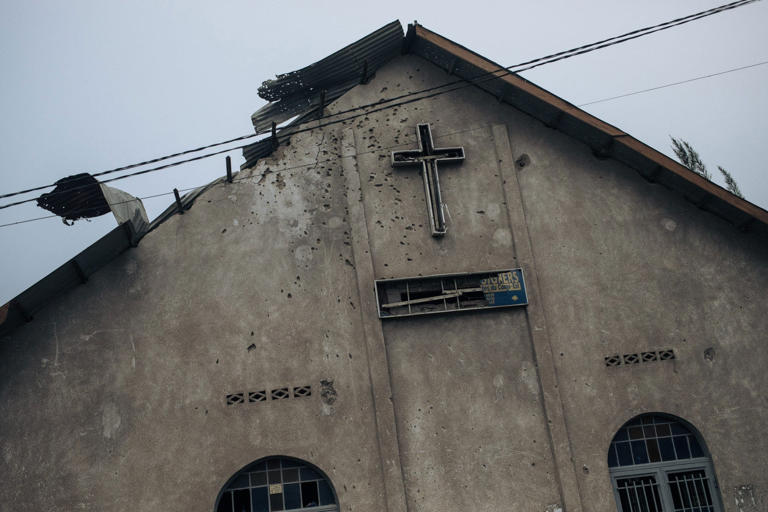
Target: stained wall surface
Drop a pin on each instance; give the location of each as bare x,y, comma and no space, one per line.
114,397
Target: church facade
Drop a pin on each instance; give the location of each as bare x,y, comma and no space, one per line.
483,299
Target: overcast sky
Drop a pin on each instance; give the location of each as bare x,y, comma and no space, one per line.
91,85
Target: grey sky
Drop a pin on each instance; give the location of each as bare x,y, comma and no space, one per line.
91,85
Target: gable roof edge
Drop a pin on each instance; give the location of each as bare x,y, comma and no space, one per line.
605,139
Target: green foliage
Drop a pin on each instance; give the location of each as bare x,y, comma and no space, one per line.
730,183
690,158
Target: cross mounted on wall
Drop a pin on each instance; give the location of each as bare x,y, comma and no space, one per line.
428,155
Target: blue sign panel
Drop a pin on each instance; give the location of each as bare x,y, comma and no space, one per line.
505,288
447,293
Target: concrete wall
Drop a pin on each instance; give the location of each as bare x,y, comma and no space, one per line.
628,266
114,396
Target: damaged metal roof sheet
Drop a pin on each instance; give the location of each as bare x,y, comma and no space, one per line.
302,92
77,270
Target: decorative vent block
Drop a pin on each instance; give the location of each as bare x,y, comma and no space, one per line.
666,355
280,394
302,391
448,293
257,396
631,359
235,398
639,358
264,395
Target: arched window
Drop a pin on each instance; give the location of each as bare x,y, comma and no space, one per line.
277,483
658,464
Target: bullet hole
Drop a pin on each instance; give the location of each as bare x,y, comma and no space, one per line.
289,295
224,230
709,354
251,333
217,361
327,392
251,347
523,161
585,469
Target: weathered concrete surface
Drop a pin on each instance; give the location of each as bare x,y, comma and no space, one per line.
113,398
627,266
472,429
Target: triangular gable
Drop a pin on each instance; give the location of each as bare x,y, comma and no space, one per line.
303,93
306,91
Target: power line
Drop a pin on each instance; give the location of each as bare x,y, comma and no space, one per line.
523,66
674,83
246,178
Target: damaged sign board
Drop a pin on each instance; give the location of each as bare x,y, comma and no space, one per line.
447,293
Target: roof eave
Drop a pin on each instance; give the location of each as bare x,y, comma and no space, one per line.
605,139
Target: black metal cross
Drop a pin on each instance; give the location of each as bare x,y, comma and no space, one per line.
427,155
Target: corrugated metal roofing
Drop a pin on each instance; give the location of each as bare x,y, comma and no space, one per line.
298,93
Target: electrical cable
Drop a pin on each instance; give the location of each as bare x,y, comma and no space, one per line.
674,83
246,178
464,83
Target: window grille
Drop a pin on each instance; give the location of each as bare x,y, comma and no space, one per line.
276,484
450,293
658,464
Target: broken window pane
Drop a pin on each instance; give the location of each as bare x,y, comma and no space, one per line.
242,500
451,292
309,496
653,450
